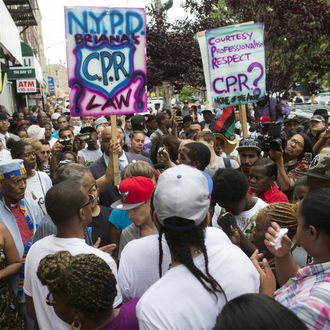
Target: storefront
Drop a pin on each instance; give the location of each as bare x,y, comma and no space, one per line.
28,79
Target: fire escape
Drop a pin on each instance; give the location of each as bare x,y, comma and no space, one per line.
23,12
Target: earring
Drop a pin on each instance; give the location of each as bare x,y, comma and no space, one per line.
76,325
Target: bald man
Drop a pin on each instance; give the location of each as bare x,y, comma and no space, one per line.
98,168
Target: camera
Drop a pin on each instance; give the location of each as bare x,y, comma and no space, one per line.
270,136
66,143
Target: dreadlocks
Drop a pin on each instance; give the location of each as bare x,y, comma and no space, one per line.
85,280
284,214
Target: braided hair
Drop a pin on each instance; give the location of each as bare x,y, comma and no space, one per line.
284,214
85,280
179,243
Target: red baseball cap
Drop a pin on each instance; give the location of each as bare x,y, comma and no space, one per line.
264,119
134,192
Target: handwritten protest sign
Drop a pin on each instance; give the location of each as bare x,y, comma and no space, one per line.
235,64
106,60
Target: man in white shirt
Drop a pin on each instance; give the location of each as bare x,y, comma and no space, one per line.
206,270
93,151
230,191
136,274
73,215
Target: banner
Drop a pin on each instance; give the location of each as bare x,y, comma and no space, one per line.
106,60
51,85
235,64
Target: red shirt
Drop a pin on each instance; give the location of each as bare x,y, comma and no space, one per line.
273,195
23,227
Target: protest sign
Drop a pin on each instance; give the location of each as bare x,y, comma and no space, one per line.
106,60
235,64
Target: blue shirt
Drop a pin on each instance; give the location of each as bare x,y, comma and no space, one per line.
119,218
55,134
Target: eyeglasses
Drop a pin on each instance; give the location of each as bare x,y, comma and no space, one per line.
91,199
50,301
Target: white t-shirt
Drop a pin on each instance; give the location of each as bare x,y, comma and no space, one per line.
5,155
90,155
47,319
220,164
137,274
52,141
244,219
179,301
37,187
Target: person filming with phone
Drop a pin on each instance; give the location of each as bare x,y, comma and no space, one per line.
63,144
92,152
292,160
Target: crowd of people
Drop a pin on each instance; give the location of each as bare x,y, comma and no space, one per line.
205,230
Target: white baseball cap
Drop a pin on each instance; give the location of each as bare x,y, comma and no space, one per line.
55,116
36,132
182,191
208,108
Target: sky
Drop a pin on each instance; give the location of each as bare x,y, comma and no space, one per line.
52,13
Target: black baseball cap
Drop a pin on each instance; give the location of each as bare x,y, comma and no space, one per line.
249,143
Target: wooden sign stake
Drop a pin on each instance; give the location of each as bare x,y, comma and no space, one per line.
115,161
243,120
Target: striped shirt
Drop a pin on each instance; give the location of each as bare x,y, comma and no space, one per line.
308,295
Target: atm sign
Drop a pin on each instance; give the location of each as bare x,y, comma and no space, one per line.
26,86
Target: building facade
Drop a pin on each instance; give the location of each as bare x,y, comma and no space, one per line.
20,32
59,73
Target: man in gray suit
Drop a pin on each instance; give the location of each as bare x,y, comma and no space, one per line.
98,168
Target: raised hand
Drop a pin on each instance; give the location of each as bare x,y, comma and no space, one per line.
267,278
270,237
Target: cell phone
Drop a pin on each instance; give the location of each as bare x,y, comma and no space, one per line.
308,156
228,221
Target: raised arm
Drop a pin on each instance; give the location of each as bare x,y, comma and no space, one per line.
107,179
12,256
282,177
284,262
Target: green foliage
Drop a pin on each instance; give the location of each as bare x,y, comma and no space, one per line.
296,40
186,93
296,37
